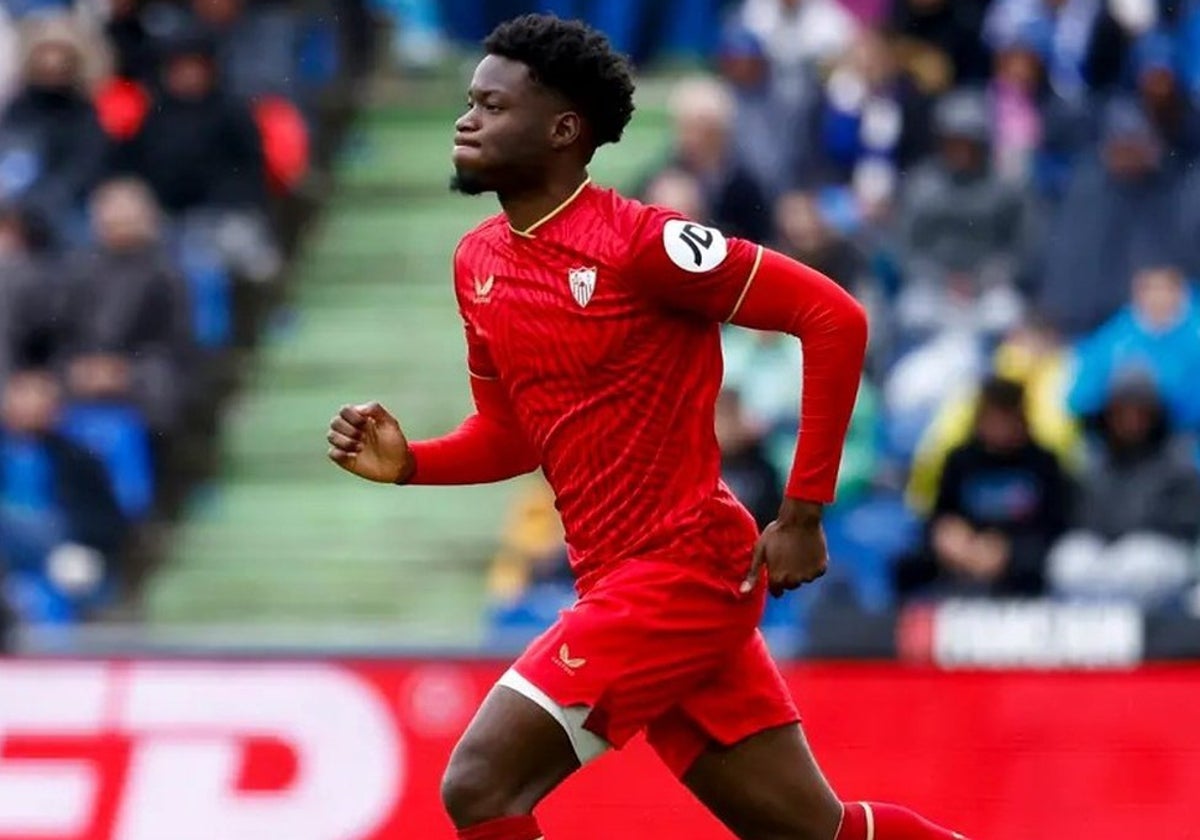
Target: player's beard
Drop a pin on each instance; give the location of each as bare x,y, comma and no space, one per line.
467,183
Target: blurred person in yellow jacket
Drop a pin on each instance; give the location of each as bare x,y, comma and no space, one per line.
531,543
1033,356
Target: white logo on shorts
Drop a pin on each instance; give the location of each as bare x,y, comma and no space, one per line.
564,660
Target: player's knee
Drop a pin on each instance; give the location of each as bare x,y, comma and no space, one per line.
473,790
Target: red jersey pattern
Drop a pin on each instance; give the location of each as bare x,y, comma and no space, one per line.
609,353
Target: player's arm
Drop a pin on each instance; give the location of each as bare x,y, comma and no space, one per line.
487,446
367,441
693,268
786,296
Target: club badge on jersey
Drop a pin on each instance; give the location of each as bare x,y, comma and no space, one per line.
583,284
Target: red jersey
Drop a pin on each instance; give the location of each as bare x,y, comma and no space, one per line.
593,340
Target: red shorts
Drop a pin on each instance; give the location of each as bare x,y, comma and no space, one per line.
668,649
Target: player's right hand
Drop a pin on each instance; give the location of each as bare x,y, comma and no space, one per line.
367,440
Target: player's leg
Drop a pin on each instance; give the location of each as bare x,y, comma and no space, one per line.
738,746
769,787
513,753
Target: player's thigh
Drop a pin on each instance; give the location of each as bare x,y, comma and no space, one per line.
737,744
767,787
512,754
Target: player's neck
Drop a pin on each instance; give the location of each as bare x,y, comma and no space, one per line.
525,210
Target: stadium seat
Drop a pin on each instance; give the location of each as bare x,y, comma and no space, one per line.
514,624
864,540
117,435
211,290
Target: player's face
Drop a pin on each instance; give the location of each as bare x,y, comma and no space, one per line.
502,142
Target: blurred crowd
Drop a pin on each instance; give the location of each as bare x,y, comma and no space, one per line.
155,159
1011,188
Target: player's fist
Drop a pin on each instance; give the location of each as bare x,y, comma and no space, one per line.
791,549
366,440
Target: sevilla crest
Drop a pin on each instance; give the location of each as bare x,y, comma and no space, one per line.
583,283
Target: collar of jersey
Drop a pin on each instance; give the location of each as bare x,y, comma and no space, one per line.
528,232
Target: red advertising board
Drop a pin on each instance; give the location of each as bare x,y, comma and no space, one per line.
92,750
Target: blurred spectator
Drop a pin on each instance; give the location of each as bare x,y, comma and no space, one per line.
132,42
1031,355
798,33
1126,207
806,233
861,455
201,152
418,40
963,228
10,65
127,310
257,46
60,527
703,112
872,122
1139,509
939,41
678,191
745,467
764,369
51,145
1171,110
532,545
767,109
1158,333
1038,133
1089,39
1188,33
27,299
1000,505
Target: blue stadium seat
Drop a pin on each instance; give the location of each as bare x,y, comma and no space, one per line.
864,540
211,291
513,625
34,600
117,435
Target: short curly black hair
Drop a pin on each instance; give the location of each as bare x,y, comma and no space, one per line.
579,62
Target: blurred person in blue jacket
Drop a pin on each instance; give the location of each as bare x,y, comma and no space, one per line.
60,525
1128,205
1159,333
1138,512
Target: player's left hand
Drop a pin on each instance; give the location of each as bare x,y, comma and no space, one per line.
792,548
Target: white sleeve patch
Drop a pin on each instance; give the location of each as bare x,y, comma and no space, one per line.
694,247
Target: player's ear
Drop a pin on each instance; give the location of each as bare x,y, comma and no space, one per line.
566,130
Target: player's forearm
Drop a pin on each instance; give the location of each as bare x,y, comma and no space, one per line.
488,446
786,296
479,451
